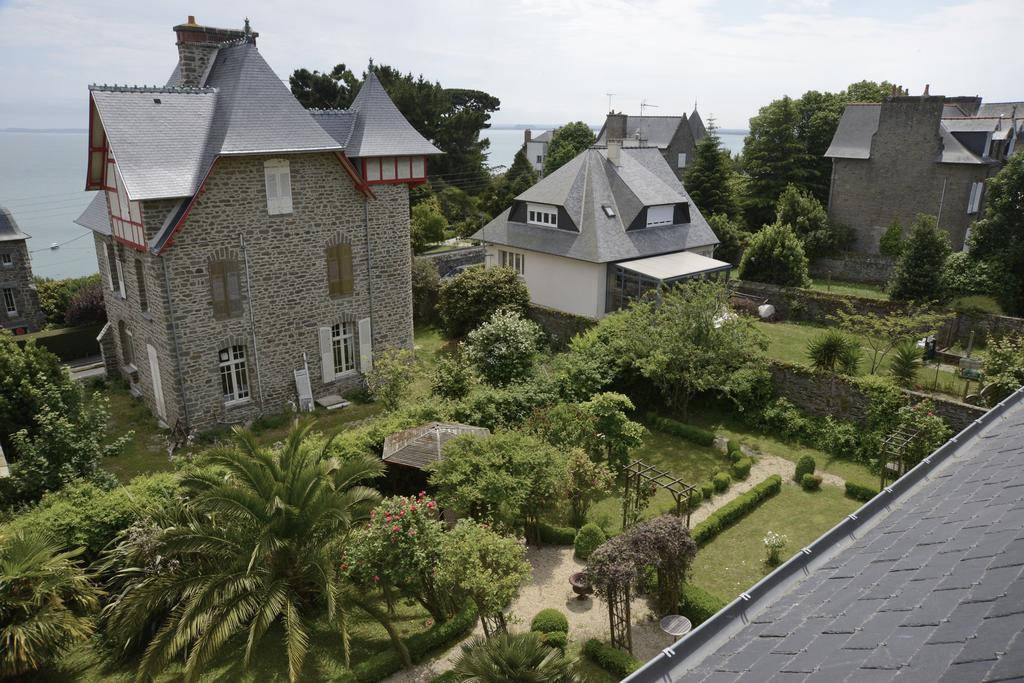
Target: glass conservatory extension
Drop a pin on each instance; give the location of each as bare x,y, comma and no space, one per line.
632,280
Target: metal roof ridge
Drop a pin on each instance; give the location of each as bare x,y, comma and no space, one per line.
168,89
716,629
316,110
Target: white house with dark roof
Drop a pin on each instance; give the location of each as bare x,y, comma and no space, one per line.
536,148
256,253
601,231
676,137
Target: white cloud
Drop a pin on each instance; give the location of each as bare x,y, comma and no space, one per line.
548,60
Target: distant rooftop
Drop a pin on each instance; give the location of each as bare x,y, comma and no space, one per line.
9,230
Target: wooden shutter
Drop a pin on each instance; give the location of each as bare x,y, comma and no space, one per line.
333,272
218,292
345,267
272,194
326,354
232,288
284,187
365,346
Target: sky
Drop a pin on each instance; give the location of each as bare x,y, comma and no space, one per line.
549,61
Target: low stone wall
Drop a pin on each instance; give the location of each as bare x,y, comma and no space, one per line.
820,394
810,305
446,261
984,325
854,267
560,326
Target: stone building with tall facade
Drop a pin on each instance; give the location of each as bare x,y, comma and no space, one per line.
914,155
19,302
676,137
256,254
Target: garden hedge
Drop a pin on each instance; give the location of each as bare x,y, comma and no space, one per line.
861,493
611,659
548,620
805,465
707,489
810,482
420,645
741,468
556,535
721,481
733,451
696,498
698,605
590,536
701,437
736,509
556,639
67,343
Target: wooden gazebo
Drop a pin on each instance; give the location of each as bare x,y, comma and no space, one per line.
408,452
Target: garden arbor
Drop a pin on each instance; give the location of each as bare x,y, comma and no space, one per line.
642,480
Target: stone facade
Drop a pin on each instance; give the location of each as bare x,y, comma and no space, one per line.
283,282
447,261
17,277
854,267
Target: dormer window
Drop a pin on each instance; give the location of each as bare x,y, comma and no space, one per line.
660,215
542,214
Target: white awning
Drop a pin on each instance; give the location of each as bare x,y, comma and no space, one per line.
675,266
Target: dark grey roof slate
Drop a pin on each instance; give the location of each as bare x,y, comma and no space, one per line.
543,137
9,230
588,182
337,122
380,129
1006,109
96,217
852,139
657,131
924,583
696,124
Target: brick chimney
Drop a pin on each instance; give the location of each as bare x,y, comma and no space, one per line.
615,127
527,135
198,44
615,152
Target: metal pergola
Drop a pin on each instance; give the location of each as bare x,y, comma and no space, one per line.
893,454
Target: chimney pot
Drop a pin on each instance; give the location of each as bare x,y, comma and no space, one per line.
926,89
615,152
191,20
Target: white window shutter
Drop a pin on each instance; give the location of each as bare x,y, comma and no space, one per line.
272,196
120,278
110,269
326,354
977,197
284,186
365,346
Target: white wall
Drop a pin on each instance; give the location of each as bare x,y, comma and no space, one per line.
532,150
561,283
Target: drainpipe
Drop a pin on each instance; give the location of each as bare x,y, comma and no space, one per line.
369,266
252,319
174,340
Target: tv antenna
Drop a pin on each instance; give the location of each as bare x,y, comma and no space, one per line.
610,96
644,106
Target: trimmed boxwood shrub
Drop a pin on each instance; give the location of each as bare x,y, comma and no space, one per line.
696,498
736,509
556,639
733,451
805,465
707,489
611,659
548,620
741,468
721,481
557,535
698,605
861,493
701,437
589,537
810,482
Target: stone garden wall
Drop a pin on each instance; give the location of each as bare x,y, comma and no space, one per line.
446,261
560,326
852,267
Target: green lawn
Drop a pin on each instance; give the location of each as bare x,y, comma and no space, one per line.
146,451
862,289
734,561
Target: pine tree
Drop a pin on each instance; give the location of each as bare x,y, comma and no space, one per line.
805,214
520,175
709,178
773,157
918,273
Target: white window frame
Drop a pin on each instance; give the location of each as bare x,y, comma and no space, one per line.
10,302
278,181
6,260
234,377
512,259
343,347
681,160
544,215
660,215
974,201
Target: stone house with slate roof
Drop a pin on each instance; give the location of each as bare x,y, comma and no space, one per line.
256,253
536,148
676,137
607,227
19,302
914,155
925,582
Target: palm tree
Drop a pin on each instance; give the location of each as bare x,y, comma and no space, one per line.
45,602
257,544
513,658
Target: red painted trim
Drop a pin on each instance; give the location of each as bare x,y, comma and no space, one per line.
129,243
357,180
88,168
188,209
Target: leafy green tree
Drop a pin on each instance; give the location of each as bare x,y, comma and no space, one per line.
46,602
616,431
775,255
891,243
732,238
513,657
834,351
86,306
392,373
881,333
505,187
452,378
503,348
818,117
426,284
1004,365
427,224
906,360
708,177
566,426
55,296
965,275
258,544
773,157
868,91
805,214
470,298
586,481
998,239
918,272
28,375
566,143
461,209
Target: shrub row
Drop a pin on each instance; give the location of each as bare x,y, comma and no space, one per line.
741,468
861,493
420,645
701,437
736,509
698,605
613,660
556,535
67,343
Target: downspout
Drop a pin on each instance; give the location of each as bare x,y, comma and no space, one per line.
252,318
174,340
369,266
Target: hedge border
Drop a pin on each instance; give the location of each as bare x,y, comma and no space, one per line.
611,659
67,343
735,510
557,535
861,493
698,605
697,435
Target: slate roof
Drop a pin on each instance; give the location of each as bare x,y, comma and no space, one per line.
656,131
923,583
379,128
419,446
9,230
696,124
587,183
852,139
96,217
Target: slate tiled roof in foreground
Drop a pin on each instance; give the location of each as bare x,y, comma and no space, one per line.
924,583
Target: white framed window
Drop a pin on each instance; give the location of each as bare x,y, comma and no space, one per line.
5,259
343,346
660,215
974,201
542,214
234,378
9,302
372,167
681,161
513,260
277,174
